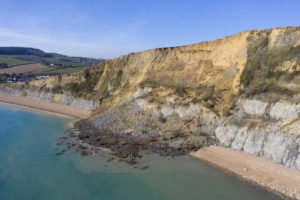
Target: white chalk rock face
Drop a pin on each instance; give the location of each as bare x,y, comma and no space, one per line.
226,134
275,147
276,138
182,112
297,163
240,138
254,107
254,141
282,110
66,99
167,111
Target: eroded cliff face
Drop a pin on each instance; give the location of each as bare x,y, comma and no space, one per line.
37,94
240,92
267,130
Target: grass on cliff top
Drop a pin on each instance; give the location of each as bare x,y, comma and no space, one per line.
110,80
85,88
259,75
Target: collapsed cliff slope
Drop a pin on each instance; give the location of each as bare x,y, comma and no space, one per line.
240,92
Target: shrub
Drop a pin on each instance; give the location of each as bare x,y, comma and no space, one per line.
85,87
268,86
57,89
259,73
162,119
291,76
149,83
3,65
179,91
206,93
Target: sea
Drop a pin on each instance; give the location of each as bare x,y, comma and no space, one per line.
30,169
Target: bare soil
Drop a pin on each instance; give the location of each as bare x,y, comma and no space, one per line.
22,68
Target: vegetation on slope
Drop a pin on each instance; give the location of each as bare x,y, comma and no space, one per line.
261,73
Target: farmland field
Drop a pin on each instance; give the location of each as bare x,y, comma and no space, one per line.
23,68
13,61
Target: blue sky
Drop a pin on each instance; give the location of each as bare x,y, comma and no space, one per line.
111,28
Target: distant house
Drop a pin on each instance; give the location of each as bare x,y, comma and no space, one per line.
11,80
42,77
52,65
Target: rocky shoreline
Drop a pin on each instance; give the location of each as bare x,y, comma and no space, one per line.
130,148
124,147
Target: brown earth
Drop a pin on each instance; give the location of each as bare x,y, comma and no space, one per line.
22,68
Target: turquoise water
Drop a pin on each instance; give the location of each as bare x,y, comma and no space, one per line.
30,170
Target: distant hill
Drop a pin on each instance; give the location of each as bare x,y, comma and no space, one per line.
14,56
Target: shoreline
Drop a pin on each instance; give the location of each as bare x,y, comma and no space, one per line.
272,176
55,108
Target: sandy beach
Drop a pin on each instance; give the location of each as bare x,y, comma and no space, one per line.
71,111
275,177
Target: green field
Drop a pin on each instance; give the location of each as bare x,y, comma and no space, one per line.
13,61
29,62
14,56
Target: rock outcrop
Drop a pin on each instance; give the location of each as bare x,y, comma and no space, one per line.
267,130
65,98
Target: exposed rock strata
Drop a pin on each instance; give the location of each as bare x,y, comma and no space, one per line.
66,98
241,92
267,130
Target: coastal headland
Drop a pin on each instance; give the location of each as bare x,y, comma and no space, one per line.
241,92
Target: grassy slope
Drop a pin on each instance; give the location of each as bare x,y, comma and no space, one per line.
12,61
261,74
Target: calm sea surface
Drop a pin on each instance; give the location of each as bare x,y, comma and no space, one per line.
30,169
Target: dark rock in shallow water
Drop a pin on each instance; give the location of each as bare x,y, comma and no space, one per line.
128,160
125,151
84,136
128,148
144,168
60,152
83,152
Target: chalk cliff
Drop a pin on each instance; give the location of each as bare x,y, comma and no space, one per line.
240,92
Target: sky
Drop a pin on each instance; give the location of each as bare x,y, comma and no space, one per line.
111,28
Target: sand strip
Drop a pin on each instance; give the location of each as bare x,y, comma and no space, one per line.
275,177
72,111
